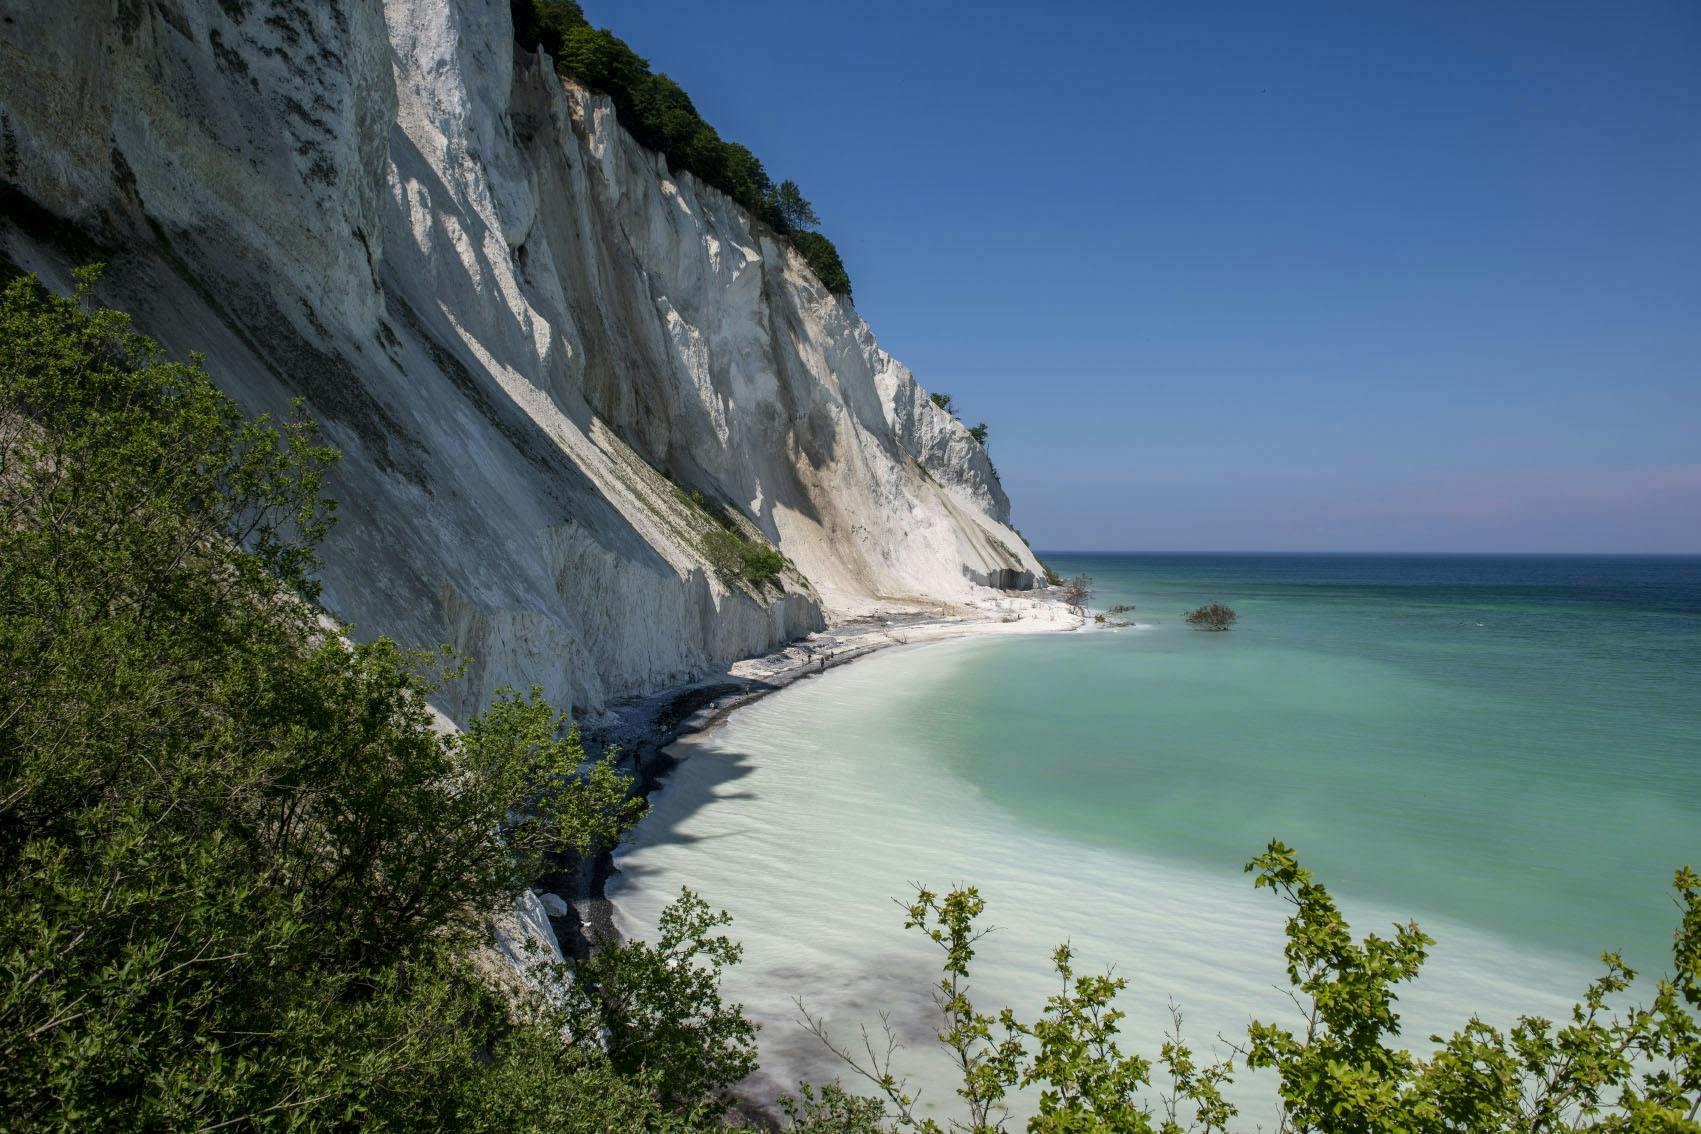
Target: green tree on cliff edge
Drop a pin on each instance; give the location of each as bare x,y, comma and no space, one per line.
659,114
792,207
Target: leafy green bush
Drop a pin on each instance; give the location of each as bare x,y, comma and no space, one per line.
242,874
660,1012
823,259
730,550
658,112
1211,616
762,563
737,557
1636,1071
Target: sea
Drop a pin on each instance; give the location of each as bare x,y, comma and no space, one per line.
1505,749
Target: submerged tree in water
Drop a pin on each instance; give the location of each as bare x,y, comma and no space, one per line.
1077,592
1214,616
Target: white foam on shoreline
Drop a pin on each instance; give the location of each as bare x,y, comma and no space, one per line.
805,829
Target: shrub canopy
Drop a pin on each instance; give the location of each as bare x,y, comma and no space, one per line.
244,877
1212,616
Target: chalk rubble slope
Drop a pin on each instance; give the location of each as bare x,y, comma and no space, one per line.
514,321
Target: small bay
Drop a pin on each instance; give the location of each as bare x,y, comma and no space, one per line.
1507,749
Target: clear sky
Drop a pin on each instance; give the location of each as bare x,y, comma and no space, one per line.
1302,275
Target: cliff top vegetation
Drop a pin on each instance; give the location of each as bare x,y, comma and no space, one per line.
659,114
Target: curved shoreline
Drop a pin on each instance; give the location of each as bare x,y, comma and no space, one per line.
644,728
808,814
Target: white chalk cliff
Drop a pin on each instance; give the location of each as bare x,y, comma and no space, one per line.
513,320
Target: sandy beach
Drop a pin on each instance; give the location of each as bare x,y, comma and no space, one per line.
644,729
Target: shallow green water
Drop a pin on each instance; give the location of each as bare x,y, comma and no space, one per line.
1510,743
1508,750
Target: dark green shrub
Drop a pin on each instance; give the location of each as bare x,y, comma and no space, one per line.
660,1013
730,550
1212,616
823,259
545,23
761,563
241,873
737,558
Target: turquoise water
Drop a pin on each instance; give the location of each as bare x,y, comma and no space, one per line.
1508,750
1511,743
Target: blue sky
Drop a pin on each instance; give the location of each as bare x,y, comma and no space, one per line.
1307,275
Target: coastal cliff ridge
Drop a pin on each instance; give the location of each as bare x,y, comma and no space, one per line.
576,393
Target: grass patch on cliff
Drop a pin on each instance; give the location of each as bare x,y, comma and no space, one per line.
739,557
736,555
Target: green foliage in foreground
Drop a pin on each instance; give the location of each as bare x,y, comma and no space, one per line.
658,112
1338,1072
660,1009
244,878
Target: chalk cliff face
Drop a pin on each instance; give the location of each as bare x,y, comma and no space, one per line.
531,341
